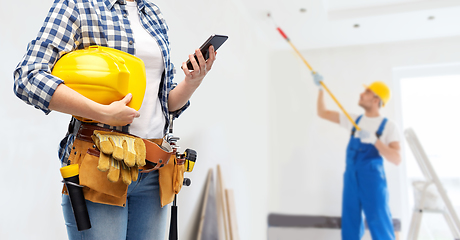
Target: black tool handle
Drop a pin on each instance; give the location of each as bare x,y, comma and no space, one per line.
173,226
77,200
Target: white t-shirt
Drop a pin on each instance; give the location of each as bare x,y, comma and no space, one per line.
390,132
152,121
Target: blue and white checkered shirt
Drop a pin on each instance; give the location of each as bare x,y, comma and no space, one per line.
77,24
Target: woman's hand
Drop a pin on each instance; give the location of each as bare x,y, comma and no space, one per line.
118,113
201,68
179,96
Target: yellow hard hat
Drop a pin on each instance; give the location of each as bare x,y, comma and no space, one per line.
381,90
103,74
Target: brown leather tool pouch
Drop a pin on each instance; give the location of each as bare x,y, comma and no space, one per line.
171,180
97,187
178,177
166,182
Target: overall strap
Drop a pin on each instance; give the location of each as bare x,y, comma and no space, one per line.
354,129
382,126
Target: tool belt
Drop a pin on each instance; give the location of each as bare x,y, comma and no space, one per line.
97,188
158,151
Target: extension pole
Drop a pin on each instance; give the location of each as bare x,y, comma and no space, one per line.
322,83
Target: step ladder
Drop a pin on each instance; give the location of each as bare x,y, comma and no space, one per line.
431,179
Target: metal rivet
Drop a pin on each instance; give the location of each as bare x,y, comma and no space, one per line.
160,161
73,148
75,153
131,42
125,15
94,146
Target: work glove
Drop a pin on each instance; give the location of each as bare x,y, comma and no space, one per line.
317,78
367,137
120,154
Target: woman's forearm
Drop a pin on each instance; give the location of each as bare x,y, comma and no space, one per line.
67,100
180,95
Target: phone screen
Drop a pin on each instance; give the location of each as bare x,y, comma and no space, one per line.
214,40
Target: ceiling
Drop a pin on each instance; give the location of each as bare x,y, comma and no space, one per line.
331,23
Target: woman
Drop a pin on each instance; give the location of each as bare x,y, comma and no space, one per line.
136,27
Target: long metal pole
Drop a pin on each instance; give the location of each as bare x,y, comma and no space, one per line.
322,83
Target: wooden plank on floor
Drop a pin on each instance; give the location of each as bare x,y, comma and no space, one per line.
232,214
222,213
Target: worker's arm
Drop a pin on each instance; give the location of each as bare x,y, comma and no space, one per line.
323,113
180,95
67,100
390,152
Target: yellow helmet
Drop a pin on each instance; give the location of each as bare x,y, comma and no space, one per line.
103,74
381,90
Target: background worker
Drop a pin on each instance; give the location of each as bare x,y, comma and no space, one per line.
365,186
136,27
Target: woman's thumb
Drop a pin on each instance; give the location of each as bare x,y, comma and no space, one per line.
127,98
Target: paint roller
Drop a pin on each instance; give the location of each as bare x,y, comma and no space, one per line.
311,69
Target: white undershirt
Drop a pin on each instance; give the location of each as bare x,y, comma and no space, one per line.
152,121
371,124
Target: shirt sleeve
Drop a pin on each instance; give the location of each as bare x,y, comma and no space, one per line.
391,133
155,13
345,122
33,82
171,86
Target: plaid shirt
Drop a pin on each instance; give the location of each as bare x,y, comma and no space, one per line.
77,24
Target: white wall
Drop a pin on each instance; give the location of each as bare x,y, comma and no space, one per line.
30,168
227,122
307,153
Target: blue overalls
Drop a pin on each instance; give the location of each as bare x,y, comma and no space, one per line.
365,189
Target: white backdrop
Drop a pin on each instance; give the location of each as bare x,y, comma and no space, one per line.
226,124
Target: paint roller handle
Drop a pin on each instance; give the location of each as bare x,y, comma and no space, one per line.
282,33
313,72
340,106
293,47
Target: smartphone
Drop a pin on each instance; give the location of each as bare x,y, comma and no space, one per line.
214,40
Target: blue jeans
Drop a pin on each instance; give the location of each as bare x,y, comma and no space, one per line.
141,218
